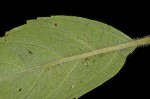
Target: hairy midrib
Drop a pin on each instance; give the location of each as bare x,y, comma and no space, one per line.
102,51
134,43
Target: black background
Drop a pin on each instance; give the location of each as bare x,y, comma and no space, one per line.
132,18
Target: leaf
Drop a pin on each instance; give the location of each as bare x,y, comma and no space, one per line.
60,57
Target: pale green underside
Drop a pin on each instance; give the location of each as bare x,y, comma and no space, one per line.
25,51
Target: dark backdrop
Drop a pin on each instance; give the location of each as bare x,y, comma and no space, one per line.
132,18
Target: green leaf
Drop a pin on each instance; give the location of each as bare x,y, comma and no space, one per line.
60,57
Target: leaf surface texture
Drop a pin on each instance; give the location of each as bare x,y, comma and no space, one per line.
37,59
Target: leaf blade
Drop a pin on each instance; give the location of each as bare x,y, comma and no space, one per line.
47,62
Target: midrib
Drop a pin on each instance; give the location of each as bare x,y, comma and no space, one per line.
133,43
